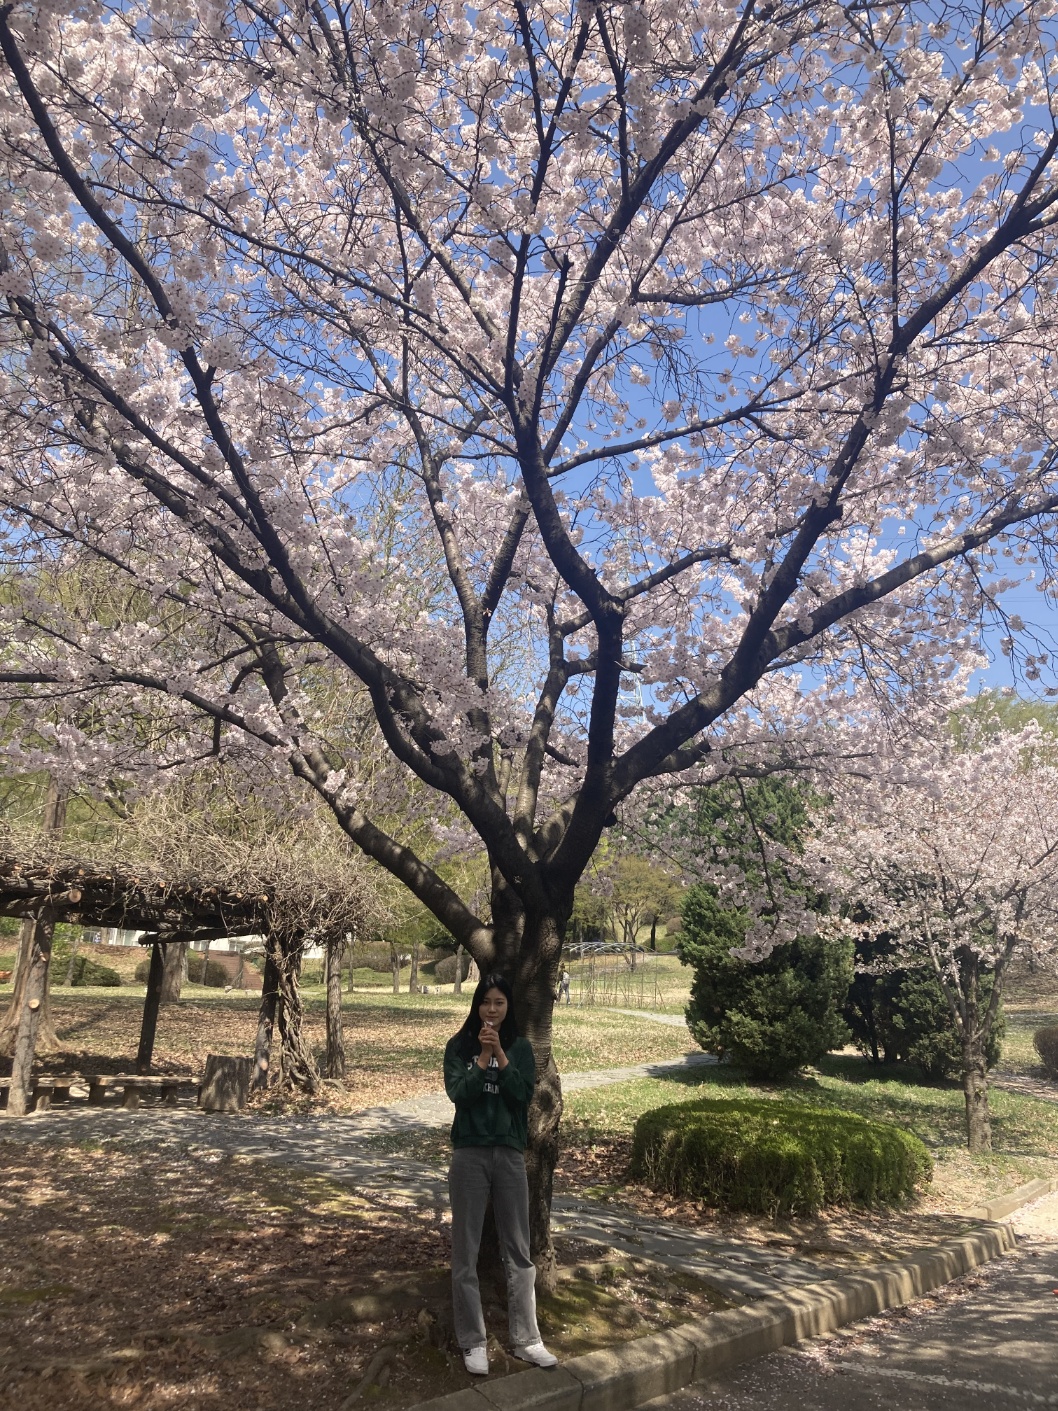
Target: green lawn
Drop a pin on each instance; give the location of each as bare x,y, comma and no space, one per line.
1023,1019
659,982
394,1042
1024,1129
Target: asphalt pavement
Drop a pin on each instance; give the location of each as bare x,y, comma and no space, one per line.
988,1340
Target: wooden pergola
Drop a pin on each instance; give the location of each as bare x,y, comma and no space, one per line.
55,888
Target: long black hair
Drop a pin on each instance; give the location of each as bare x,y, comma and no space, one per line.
466,1039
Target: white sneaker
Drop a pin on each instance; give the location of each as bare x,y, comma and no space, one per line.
476,1361
537,1354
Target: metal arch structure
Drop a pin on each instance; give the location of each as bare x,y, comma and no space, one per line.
614,976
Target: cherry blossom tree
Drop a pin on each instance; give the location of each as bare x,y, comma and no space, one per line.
954,855
611,392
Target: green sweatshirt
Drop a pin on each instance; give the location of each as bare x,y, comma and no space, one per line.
485,1118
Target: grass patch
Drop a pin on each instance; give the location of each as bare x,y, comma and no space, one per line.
1024,1129
394,1043
1019,1054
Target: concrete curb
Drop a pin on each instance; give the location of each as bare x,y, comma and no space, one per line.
1007,1204
621,1378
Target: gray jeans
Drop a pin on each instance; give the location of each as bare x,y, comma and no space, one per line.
475,1173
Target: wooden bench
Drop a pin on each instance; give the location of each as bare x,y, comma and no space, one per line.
165,1086
44,1091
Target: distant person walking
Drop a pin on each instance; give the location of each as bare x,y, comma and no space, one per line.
563,986
489,1075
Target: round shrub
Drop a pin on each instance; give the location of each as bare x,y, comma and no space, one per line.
776,1159
1045,1042
373,955
445,970
206,972
199,971
89,972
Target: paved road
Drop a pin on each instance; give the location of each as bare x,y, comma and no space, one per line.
990,1340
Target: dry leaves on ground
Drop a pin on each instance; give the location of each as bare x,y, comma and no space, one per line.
167,1283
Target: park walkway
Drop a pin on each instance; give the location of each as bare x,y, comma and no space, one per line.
344,1149
986,1342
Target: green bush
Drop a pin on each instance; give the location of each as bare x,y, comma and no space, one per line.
445,969
903,1016
772,1016
776,1159
89,972
199,971
374,956
1045,1041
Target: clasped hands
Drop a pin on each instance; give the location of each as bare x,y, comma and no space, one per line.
489,1039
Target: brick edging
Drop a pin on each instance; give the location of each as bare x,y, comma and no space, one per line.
621,1378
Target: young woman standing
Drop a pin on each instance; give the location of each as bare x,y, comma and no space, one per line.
489,1075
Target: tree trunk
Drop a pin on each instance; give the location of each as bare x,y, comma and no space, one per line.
867,1010
396,973
175,971
975,1092
46,1039
9,1025
205,963
413,977
335,1063
298,1068
534,967
457,988
266,1018
149,1026
72,962
36,989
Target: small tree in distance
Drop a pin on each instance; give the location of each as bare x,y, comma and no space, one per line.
954,855
635,892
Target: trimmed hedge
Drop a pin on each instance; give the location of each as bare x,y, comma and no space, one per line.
212,973
775,1159
89,972
445,969
1045,1041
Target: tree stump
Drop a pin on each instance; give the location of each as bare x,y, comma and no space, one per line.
226,1084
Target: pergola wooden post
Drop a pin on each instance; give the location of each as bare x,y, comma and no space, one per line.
266,1020
29,1019
151,1005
